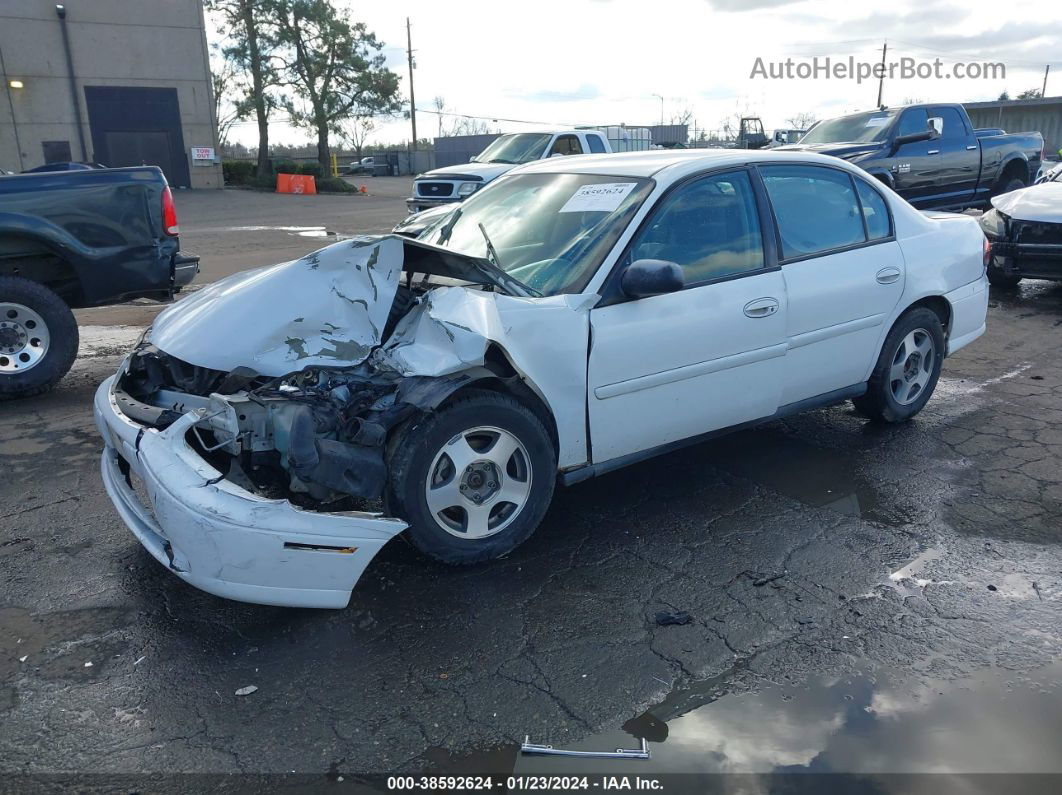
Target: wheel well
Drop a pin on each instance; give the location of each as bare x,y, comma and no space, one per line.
30,260
509,382
1015,168
938,304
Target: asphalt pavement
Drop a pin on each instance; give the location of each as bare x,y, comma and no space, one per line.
889,568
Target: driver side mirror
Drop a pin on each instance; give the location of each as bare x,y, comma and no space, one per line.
928,134
648,277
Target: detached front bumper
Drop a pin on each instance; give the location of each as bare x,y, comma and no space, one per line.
221,538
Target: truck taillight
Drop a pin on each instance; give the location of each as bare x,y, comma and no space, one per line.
169,213
987,252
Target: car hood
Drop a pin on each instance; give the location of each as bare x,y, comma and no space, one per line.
327,309
1041,202
475,171
843,150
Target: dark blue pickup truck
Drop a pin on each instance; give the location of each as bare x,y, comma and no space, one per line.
930,154
72,239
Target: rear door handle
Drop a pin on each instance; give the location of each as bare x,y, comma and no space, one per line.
761,307
888,275
933,152
972,147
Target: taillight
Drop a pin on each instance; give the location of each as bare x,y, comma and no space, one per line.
987,252
169,213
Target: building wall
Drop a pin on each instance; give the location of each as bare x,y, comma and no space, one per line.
118,43
1042,116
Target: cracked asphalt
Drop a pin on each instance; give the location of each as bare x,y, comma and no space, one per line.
805,549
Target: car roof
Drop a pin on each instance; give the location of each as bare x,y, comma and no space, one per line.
668,164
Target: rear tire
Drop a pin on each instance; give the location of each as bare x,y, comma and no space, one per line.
1006,185
38,338
488,467
907,370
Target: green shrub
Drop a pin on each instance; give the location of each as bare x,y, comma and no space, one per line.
264,182
334,185
311,169
237,172
286,167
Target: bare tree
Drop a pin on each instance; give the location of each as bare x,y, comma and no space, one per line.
802,121
231,103
357,132
439,103
683,116
1030,93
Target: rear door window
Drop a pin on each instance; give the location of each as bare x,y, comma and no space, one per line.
566,145
816,209
954,128
597,146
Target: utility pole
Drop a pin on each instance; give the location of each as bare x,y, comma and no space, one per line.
881,77
412,99
661,108
1043,91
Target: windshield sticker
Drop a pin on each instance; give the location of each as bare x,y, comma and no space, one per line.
603,197
877,121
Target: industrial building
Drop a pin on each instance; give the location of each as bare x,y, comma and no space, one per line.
116,82
1022,115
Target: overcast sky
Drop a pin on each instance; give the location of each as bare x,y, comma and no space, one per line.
560,62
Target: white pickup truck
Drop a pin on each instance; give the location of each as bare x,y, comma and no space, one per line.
455,183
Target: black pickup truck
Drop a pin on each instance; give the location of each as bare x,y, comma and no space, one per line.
930,154
73,239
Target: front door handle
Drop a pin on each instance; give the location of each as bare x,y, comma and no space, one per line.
888,275
933,152
761,307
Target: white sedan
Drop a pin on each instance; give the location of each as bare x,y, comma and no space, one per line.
274,430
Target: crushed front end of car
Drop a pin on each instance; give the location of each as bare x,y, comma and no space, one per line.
246,436
1025,230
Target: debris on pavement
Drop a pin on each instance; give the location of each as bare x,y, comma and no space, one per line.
668,618
246,691
765,580
527,747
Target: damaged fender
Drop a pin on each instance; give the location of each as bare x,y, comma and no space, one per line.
452,328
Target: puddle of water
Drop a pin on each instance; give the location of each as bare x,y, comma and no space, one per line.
817,476
866,723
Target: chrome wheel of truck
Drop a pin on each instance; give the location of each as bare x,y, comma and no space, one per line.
38,337
24,338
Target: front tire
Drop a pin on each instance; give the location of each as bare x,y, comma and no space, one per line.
997,278
472,479
38,338
907,370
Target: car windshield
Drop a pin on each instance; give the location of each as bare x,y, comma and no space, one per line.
519,148
548,231
873,126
